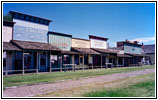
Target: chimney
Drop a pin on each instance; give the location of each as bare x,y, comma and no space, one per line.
135,42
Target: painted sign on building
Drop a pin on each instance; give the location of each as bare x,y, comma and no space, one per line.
129,48
29,31
62,41
80,43
29,28
98,44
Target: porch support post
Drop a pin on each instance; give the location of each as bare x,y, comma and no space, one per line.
37,63
23,63
6,73
117,61
50,67
60,62
123,61
73,60
92,61
83,62
101,60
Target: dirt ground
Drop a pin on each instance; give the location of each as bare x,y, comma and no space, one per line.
39,89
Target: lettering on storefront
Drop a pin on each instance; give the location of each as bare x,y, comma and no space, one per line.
98,44
60,44
80,43
31,30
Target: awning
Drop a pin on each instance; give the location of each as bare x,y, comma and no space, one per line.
84,50
70,52
7,46
123,55
138,55
27,45
104,50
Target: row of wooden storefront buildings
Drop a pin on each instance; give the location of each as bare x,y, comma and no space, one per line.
28,46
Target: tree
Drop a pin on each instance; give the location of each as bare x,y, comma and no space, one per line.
7,17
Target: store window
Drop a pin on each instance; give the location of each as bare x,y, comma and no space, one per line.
54,60
66,59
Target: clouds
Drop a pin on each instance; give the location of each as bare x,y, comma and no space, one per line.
145,39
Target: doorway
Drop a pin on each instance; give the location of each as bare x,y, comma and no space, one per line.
42,61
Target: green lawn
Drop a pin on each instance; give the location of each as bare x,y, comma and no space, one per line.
16,80
141,89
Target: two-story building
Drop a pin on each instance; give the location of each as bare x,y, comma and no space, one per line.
134,50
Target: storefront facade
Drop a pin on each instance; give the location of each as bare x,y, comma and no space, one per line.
29,30
64,42
86,57
133,49
100,45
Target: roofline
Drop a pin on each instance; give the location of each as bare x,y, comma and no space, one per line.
11,12
100,38
149,44
80,39
9,21
128,43
57,33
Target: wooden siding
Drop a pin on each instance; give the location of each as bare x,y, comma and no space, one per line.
61,42
29,31
7,33
128,48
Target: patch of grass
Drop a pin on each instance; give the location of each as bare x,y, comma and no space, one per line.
141,89
16,80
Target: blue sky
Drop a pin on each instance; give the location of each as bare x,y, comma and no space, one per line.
116,21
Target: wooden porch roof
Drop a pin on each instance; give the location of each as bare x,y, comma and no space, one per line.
70,52
27,45
7,46
105,50
84,50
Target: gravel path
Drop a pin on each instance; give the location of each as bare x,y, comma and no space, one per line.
32,90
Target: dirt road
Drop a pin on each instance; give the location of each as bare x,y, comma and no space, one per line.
32,90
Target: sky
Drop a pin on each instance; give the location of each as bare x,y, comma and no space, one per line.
116,21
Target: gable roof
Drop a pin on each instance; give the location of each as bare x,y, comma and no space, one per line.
7,46
149,48
27,45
